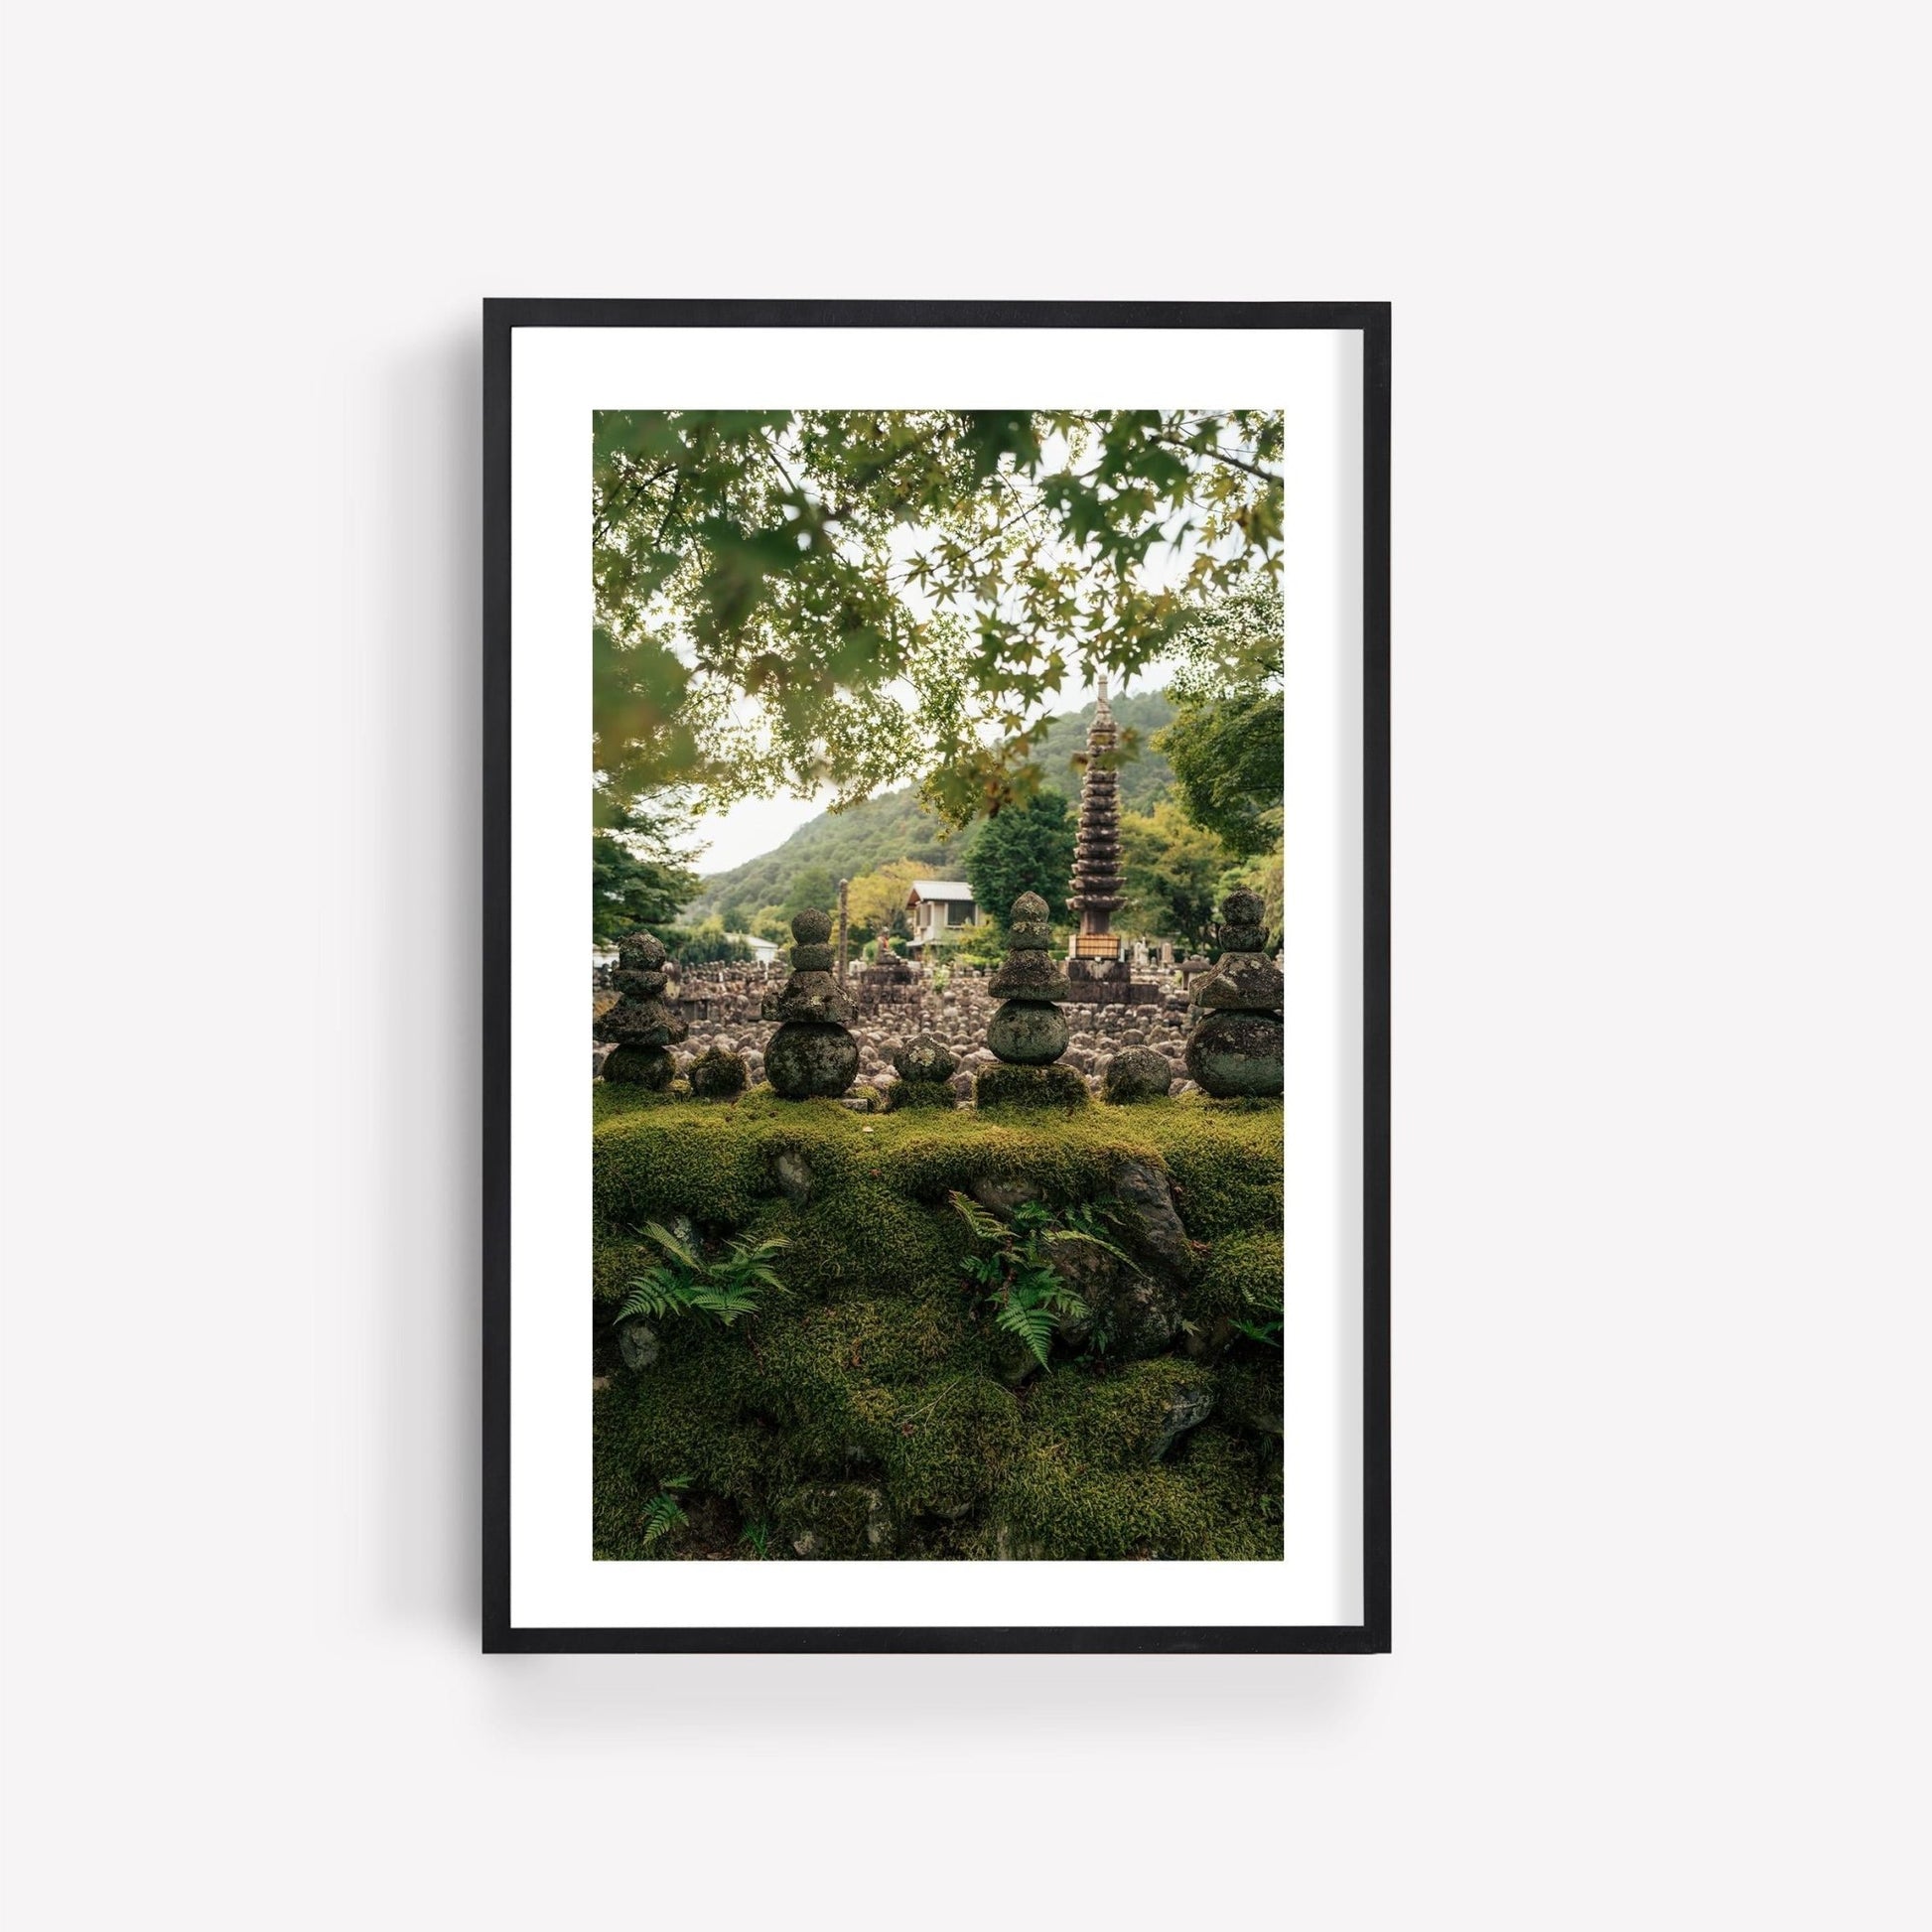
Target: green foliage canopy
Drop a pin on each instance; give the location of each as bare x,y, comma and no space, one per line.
1173,870
1027,848
845,598
1225,742
638,880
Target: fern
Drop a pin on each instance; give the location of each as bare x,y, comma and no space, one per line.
1268,1328
1029,1298
683,1282
679,1251
1031,1321
664,1513
989,1227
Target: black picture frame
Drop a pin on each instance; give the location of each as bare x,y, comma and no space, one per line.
502,318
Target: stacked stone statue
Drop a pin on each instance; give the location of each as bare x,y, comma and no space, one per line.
812,1055
925,1069
1236,1049
1028,1032
640,1023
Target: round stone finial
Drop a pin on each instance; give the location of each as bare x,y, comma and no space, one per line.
639,953
1027,907
1242,907
811,929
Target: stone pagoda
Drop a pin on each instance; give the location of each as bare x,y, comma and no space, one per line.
812,1055
1096,894
640,1023
1028,1032
1235,1052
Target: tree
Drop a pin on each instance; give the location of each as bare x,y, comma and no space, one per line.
1027,848
637,881
847,598
876,901
812,890
1173,870
1225,742
701,945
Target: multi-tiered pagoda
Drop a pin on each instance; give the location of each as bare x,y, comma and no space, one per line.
1096,894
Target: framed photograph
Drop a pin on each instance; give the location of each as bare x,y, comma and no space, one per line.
936,1156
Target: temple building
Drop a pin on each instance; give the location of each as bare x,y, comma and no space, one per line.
940,911
1096,894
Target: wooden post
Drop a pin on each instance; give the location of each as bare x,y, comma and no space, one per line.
839,959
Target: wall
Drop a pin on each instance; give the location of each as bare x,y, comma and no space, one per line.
1663,950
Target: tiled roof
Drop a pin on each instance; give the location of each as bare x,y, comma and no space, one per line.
956,889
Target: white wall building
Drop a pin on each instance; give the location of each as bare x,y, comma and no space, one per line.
941,909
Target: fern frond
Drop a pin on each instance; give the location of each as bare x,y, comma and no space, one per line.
656,1295
1093,1241
1034,1325
988,1227
673,1246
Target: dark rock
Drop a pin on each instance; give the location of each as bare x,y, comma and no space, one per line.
1192,1405
718,1075
640,1066
1031,976
794,1176
1135,1313
816,999
1001,1196
1138,1073
637,1344
1146,1214
1236,1056
924,1058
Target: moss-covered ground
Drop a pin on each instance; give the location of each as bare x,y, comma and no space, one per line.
872,1410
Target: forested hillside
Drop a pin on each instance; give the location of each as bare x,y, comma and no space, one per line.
892,826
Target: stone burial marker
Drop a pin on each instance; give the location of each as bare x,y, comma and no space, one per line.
812,1055
1235,1052
926,1067
1028,1032
640,1023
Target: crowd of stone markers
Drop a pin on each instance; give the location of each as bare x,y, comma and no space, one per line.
998,1041
986,1039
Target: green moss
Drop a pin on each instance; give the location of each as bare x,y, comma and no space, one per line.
903,1094
1030,1087
1242,1271
1208,1502
1115,1420
873,1378
1248,1387
1225,1162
